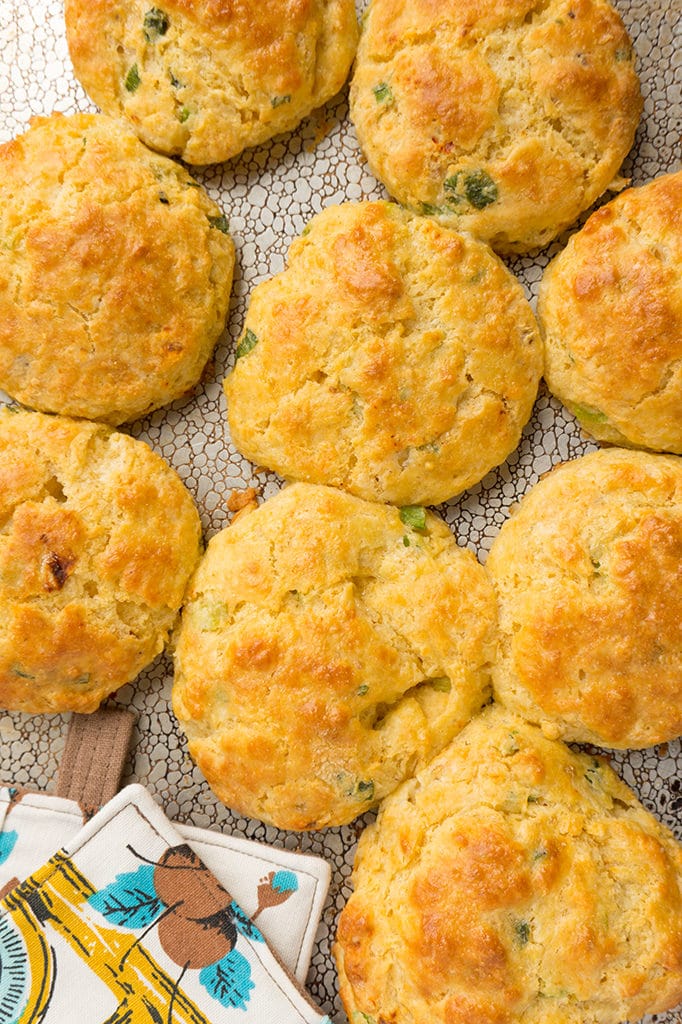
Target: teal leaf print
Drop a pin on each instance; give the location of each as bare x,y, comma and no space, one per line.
130,901
7,844
229,980
284,881
244,924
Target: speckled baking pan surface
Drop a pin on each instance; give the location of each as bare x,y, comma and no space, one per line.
268,196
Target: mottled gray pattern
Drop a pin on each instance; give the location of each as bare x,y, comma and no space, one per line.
268,195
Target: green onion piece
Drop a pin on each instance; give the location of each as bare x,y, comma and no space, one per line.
366,789
480,189
183,114
382,92
132,79
220,223
362,690
414,516
522,929
440,683
277,101
155,24
248,342
588,414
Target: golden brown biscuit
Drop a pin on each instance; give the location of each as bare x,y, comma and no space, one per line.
98,539
512,882
611,311
115,273
393,358
588,573
327,647
505,118
204,79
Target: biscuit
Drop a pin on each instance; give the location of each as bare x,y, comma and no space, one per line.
505,118
98,539
115,271
393,358
512,881
327,647
204,79
610,307
588,573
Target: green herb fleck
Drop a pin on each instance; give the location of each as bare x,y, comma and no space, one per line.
382,92
358,1016
539,853
81,680
587,414
522,929
622,55
220,223
306,230
533,798
175,82
451,185
511,746
248,342
155,24
183,114
278,101
406,540
365,789
440,683
20,672
593,773
362,690
132,79
480,189
414,516
477,188
429,210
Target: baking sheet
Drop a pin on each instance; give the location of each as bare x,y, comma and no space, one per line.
268,195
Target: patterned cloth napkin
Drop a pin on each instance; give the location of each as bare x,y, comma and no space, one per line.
284,891
126,925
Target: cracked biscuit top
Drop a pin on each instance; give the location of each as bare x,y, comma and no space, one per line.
115,271
610,307
98,538
392,358
505,118
588,573
205,79
512,882
327,647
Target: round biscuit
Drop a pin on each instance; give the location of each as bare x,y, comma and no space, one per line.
99,538
610,308
205,79
506,118
512,881
392,358
588,573
115,274
327,647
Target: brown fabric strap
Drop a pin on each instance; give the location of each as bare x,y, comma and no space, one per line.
94,757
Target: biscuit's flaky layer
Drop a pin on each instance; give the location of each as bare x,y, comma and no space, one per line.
204,79
115,274
98,538
512,882
505,118
326,649
610,306
393,358
588,572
